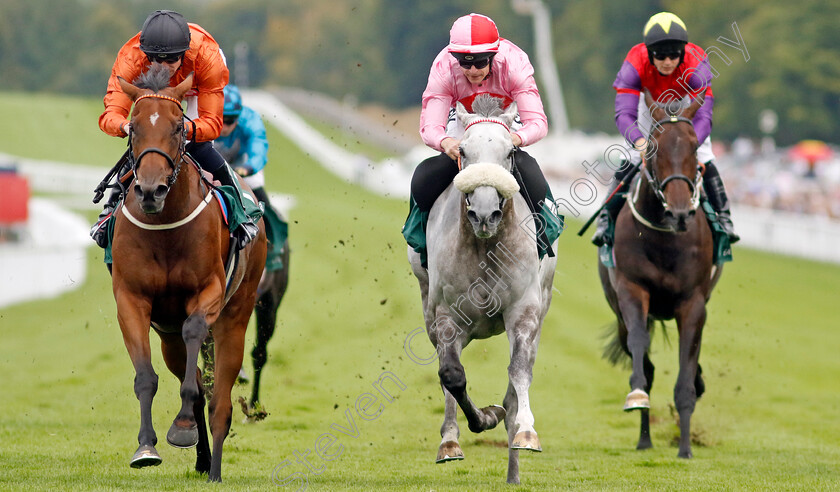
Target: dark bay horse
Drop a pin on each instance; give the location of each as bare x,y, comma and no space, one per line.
169,250
484,278
663,267
270,292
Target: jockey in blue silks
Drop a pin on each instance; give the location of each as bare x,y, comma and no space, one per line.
243,143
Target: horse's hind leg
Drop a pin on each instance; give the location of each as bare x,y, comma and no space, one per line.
230,345
184,430
690,320
266,311
449,448
511,409
644,427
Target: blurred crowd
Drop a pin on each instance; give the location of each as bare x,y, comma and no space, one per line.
759,175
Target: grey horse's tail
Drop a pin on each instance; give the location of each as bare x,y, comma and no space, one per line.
614,351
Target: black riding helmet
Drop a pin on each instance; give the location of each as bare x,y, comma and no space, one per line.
165,32
665,33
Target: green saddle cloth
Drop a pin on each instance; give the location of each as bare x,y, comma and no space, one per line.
236,214
721,246
277,231
414,230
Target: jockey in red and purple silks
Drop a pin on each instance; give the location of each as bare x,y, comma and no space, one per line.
671,69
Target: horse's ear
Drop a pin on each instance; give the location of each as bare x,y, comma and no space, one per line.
464,116
696,104
656,112
184,86
510,113
130,90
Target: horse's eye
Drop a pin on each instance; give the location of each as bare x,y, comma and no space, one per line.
510,154
461,151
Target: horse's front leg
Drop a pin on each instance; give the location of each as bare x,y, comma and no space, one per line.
524,337
691,316
523,330
633,302
184,430
449,339
133,315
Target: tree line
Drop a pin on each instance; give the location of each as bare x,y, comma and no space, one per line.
380,50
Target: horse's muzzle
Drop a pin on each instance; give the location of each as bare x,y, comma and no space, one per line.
151,198
678,220
485,225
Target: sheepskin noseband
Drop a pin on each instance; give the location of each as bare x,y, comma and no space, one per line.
486,174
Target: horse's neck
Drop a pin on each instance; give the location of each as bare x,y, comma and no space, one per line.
185,192
645,199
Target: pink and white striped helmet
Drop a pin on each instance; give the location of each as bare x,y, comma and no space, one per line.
474,33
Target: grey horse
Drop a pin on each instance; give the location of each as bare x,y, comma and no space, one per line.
484,278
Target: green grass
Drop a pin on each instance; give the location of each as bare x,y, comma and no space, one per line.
69,418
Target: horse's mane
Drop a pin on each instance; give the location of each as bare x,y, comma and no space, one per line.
156,78
487,105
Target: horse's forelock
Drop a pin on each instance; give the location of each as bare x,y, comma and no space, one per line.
487,106
156,78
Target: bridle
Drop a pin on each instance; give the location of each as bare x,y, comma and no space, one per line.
134,162
658,186
513,168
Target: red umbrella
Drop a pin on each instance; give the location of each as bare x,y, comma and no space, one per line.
811,151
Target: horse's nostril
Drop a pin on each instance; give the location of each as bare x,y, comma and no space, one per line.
669,214
160,192
495,217
692,212
472,216
138,192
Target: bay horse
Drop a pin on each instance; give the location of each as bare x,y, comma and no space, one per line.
484,278
664,267
169,251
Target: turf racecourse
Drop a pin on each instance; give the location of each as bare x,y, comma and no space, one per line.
69,418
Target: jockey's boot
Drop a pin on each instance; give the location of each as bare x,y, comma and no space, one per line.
247,230
716,194
610,211
99,231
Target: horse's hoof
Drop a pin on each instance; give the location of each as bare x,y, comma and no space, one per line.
526,440
182,437
449,451
146,455
687,454
497,411
636,400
